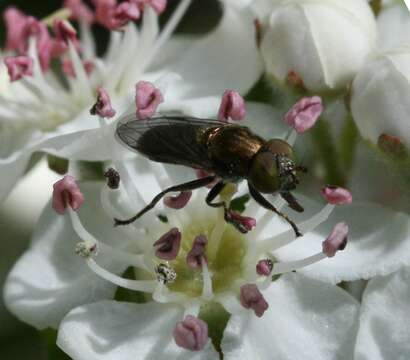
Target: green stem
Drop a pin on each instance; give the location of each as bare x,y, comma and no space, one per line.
348,144
327,152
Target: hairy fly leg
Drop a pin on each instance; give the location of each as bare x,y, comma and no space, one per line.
191,185
267,205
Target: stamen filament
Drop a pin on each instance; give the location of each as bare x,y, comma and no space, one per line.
83,88
286,237
291,137
170,26
137,285
284,267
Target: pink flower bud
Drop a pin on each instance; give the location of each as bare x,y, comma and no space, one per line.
15,22
64,33
103,106
197,252
179,201
191,333
232,106
264,267
147,99
336,195
336,241
304,114
167,246
79,11
66,192
252,298
19,66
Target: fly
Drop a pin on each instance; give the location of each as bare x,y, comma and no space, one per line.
232,153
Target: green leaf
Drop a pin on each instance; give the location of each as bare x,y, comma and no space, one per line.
239,204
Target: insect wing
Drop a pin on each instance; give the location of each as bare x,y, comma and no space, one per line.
168,139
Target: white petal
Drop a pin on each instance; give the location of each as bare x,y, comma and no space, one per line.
393,24
384,332
378,244
226,59
123,331
49,279
306,320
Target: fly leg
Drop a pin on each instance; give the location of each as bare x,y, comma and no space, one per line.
267,205
228,214
292,202
191,185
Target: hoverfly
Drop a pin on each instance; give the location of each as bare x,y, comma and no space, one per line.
231,152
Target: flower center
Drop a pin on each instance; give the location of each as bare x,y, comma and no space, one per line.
224,261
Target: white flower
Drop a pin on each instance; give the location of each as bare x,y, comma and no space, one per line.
379,100
393,25
384,332
50,281
37,110
321,43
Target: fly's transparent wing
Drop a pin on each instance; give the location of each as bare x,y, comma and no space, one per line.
168,139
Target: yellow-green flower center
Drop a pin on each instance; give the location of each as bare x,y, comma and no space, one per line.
224,263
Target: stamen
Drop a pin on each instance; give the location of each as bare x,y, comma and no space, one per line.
200,173
103,106
165,274
79,11
137,285
179,201
242,223
147,99
337,240
264,267
197,254
86,248
158,5
19,66
167,246
304,114
113,178
114,16
66,192
286,237
64,33
232,106
15,22
252,298
68,68
191,333
207,292
216,234
291,137
170,26
336,195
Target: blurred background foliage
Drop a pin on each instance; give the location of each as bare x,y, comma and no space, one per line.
20,212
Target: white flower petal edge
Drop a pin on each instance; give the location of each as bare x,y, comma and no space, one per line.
379,243
306,319
384,332
50,279
226,59
113,330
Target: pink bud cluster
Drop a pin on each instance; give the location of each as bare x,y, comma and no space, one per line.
109,13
